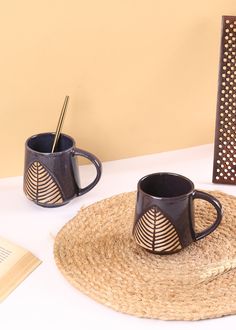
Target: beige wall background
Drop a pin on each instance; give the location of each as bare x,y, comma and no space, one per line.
141,75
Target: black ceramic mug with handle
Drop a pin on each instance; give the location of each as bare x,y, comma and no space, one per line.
52,179
164,215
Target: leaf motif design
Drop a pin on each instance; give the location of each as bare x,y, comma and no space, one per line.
40,186
155,232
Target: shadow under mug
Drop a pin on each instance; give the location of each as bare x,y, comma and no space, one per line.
164,215
52,179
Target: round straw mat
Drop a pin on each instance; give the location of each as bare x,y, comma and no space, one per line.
96,253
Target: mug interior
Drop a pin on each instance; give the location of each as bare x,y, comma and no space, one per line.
44,142
166,185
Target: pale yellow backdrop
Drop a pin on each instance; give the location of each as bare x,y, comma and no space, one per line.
141,74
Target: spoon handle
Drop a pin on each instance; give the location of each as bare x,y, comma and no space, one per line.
60,123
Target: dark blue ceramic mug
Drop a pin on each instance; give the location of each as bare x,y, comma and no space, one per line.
164,214
52,179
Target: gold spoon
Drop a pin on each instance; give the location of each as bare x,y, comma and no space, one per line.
60,123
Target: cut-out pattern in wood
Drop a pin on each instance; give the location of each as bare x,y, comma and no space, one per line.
40,186
155,232
224,169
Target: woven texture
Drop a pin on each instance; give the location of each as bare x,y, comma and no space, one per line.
96,253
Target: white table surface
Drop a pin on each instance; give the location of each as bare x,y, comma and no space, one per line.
45,299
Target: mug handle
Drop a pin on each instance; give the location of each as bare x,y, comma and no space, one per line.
217,206
96,162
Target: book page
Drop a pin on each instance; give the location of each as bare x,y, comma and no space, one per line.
9,255
16,263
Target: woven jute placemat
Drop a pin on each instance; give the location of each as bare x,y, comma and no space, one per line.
96,253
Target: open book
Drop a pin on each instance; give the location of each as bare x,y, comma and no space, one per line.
15,264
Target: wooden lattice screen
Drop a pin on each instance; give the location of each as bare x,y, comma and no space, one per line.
224,169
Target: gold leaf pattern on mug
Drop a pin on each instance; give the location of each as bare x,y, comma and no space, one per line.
155,232
40,186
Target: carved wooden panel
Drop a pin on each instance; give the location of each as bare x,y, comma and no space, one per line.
224,169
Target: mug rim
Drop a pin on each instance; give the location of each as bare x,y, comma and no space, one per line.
170,174
49,153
